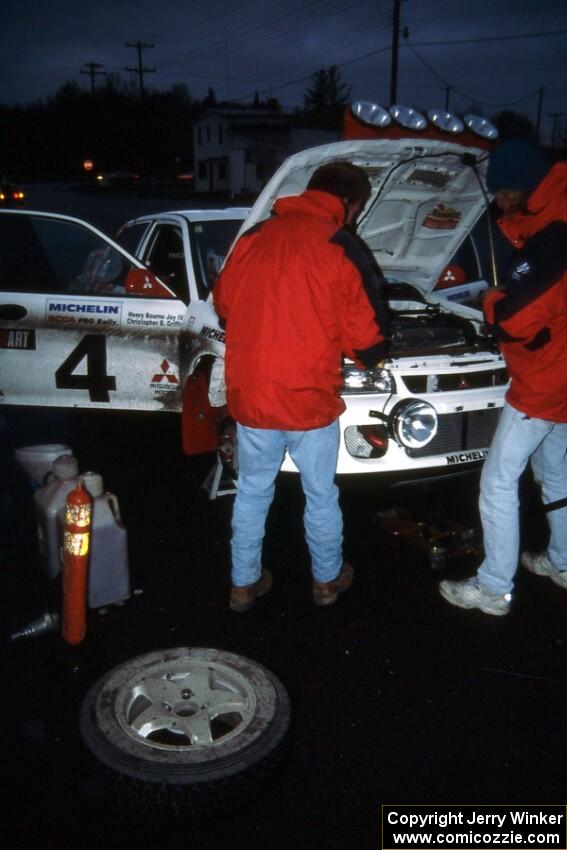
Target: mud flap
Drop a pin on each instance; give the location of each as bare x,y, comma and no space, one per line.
199,421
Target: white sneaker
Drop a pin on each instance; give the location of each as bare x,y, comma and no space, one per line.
470,594
540,564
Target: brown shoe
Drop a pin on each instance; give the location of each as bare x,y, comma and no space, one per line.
242,598
326,592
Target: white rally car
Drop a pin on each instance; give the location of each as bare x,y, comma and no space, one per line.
87,322
434,406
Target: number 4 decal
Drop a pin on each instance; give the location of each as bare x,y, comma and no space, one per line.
96,381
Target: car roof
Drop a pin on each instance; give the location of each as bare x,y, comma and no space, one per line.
228,213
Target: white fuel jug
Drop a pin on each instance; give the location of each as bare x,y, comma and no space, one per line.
109,579
50,503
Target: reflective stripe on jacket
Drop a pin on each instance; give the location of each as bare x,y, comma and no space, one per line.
530,317
297,292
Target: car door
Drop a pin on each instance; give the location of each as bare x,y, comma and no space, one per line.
82,323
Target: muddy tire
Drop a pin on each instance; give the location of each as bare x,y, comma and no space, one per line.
178,724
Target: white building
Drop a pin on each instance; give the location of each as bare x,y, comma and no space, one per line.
237,150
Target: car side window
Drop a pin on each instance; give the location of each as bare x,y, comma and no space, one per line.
48,255
210,242
130,237
166,258
24,264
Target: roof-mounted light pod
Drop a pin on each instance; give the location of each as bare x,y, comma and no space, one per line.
371,113
408,117
481,127
446,121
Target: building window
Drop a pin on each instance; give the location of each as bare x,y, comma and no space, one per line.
222,170
208,133
199,137
202,170
220,134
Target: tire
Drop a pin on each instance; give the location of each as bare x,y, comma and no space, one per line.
183,720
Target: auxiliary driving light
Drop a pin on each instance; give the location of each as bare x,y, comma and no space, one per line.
408,117
481,127
445,121
367,442
414,423
371,113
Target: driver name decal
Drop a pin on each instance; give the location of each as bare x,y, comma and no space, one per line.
467,457
23,340
83,313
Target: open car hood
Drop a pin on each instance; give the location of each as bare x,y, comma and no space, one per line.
426,197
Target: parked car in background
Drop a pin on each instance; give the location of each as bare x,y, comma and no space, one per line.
11,195
117,180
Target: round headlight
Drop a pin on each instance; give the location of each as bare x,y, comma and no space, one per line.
414,423
371,113
445,121
481,127
408,117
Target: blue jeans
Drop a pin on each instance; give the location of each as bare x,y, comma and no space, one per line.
518,439
260,454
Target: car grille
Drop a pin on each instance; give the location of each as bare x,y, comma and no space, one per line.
419,384
460,431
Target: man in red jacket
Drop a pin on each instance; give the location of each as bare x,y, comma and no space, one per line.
528,315
297,292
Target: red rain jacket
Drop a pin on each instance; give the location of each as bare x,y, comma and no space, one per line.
297,291
530,317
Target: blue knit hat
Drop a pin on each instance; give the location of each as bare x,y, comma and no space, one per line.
517,165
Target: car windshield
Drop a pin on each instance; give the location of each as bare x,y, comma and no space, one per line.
211,241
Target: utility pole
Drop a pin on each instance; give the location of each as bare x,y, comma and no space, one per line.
91,68
555,116
140,70
395,44
539,110
448,90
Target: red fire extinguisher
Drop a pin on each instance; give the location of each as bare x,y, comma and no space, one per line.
76,545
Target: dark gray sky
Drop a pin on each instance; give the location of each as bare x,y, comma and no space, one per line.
494,54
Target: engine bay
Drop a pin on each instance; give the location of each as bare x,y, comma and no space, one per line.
417,327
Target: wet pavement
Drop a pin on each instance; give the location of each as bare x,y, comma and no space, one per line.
396,696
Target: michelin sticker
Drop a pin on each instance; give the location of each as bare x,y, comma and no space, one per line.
80,314
215,334
467,457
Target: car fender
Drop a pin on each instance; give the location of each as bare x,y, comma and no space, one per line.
202,343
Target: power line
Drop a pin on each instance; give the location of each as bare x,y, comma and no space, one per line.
447,43
464,94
